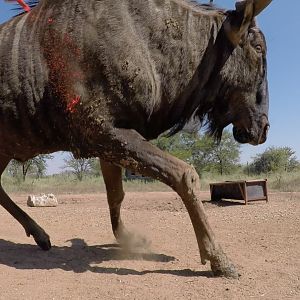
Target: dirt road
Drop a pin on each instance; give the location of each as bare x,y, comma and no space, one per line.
262,239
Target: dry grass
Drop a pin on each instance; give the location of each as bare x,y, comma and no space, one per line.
64,185
285,182
282,182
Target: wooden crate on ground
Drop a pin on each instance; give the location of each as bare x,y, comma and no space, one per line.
247,190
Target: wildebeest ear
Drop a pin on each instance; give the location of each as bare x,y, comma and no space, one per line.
240,19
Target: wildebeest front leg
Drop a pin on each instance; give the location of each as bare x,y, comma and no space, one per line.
127,148
30,226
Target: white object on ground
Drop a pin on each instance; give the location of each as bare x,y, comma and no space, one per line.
42,201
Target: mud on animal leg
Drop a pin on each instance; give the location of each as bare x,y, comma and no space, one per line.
30,226
112,175
129,149
188,189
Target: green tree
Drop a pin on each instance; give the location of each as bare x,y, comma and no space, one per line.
203,152
95,167
36,166
79,167
226,155
178,145
274,159
220,157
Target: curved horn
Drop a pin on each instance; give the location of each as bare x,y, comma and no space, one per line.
242,18
258,5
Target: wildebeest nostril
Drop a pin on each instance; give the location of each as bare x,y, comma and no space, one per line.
263,136
267,127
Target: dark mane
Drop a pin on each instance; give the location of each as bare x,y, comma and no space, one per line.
20,11
199,113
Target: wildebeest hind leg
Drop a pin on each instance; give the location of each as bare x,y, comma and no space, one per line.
128,149
112,175
30,226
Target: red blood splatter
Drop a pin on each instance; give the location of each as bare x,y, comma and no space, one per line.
65,70
71,105
77,75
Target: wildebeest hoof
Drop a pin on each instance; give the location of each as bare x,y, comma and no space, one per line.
44,243
222,267
225,271
41,238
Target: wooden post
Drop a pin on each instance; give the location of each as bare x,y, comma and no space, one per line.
266,190
245,192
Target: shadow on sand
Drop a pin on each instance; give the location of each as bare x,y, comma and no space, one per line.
223,202
80,257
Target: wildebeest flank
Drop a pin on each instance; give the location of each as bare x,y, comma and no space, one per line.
101,78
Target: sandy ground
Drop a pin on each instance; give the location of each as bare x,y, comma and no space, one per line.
85,262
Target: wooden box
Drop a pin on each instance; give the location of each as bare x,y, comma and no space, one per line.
250,190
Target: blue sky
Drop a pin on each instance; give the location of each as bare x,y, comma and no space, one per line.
280,22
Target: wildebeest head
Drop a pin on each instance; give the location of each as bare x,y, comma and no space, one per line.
242,98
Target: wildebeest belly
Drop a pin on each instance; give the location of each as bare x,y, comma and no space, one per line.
25,131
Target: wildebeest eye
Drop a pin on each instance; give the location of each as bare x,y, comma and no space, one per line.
258,48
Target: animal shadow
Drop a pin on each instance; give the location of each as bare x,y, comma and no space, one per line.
223,202
80,257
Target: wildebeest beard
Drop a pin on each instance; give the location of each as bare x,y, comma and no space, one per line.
206,118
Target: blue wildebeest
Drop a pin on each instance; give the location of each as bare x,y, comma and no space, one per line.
102,78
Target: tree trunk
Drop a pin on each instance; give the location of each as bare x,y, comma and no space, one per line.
24,171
